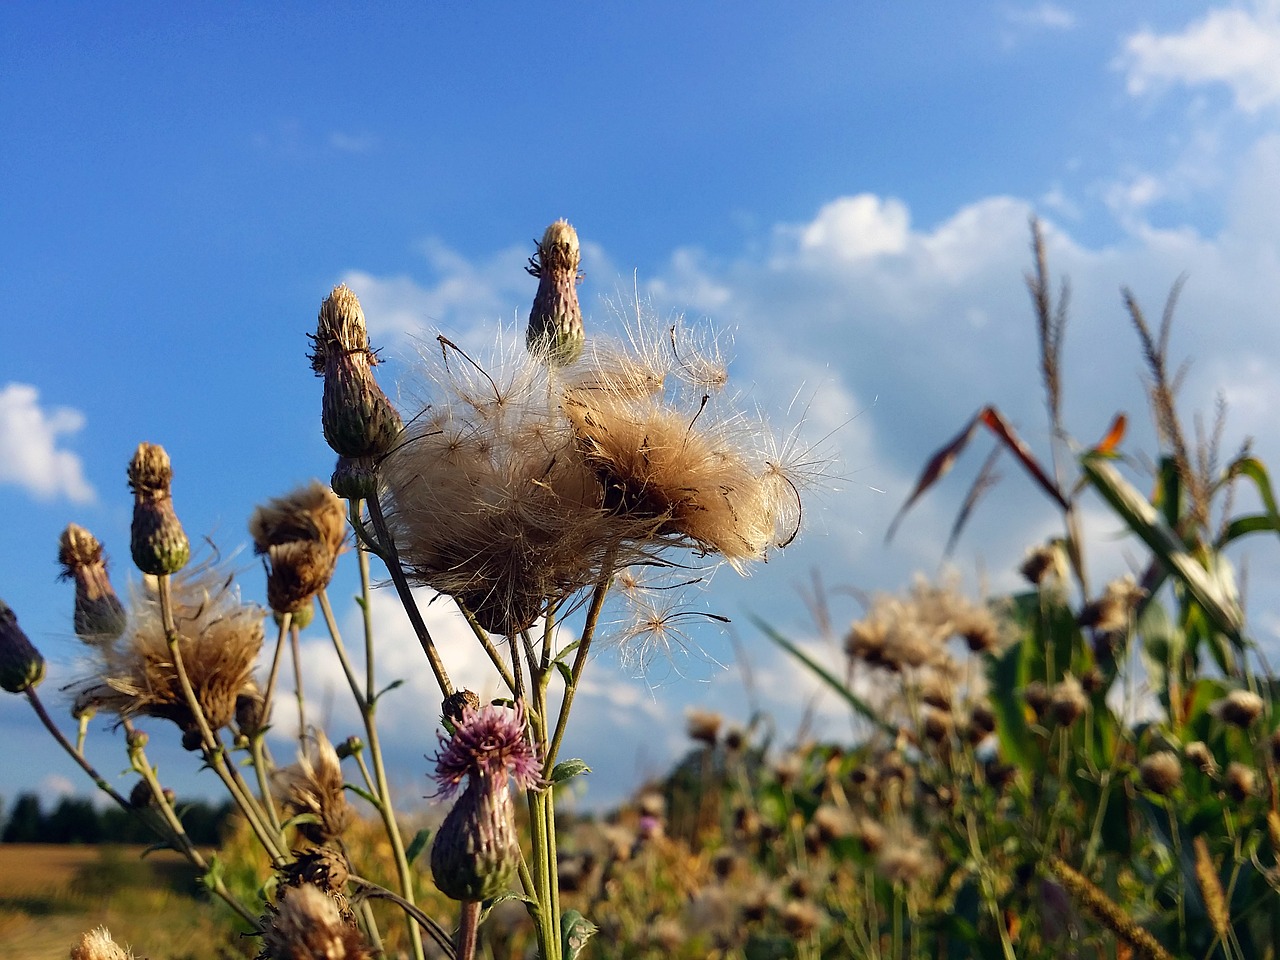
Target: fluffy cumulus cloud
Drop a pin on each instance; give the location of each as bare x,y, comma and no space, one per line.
1237,47
31,455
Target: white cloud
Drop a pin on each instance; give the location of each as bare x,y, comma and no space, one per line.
853,228
1235,47
54,786
1047,16
29,446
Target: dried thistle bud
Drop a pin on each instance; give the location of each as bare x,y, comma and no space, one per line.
1200,756
937,725
21,665
141,797
1036,696
555,323
1241,781
358,419
300,535
703,726
800,918
1239,708
308,925
323,867
1045,565
735,740
982,722
1067,701
1112,611
457,702
1161,772
137,740
98,945
355,478
158,542
99,615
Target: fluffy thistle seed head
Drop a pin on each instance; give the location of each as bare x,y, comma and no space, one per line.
358,419
307,925
99,615
21,665
157,541
315,786
1200,756
703,726
1241,781
555,332
219,638
98,945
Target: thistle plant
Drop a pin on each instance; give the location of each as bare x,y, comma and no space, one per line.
545,488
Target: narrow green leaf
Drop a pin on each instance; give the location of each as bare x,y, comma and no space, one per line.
417,844
1141,517
388,688
568,769
365,794
566,674
857,703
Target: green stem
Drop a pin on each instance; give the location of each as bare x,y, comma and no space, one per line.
392,559
285,620
579,664
211,745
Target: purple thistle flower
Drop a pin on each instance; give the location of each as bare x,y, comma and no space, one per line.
490,744
476,850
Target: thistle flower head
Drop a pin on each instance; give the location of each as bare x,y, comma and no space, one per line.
157,541
476,850
300,535
358,419
99,615
1161,772
489,742
555,331
21,665
219,638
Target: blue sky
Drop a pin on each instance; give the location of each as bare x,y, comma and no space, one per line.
845,186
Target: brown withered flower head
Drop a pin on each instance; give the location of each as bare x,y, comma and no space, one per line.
519,481
219,639
98,945
299,537
315,786
1113,611
308,925
158,543
99,615
1161,771
1239,708
555,323
359,421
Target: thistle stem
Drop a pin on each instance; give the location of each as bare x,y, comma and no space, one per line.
468,927
392,559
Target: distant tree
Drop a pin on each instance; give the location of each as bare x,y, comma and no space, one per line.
73,820
25,824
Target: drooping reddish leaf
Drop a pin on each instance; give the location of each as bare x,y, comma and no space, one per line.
939,466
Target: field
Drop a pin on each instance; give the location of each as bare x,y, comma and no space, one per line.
50,894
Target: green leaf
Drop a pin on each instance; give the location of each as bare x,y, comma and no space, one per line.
365,794
214,875
577,931
568,650
300,819
566,674
568,769
388,688
1142,518
417,844
857,703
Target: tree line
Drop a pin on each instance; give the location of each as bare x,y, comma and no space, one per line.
77,820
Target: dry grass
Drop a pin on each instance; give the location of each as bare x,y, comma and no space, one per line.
51,894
